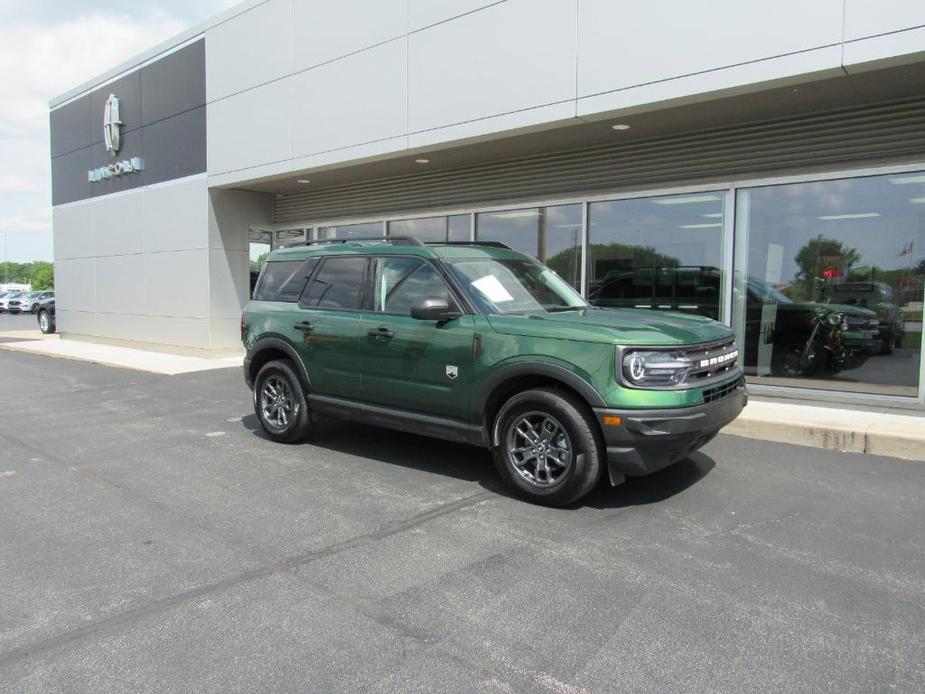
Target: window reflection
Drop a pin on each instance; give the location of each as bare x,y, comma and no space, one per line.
662,253
433,229
552,235
828,286
351,231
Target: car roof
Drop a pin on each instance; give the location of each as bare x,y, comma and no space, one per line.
385,248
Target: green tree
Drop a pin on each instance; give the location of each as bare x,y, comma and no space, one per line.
257,264
42,276
818,254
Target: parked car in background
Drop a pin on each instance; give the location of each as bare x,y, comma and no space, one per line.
805,338
878,297
28,302
46,315
5,300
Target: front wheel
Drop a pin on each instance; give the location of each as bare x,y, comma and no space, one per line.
280,404
549,449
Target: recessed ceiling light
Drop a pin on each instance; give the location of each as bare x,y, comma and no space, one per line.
422,160
917,201
303,180
856,215
620,126
713,215
698,226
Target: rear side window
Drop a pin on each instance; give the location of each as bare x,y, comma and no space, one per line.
338,284
284,280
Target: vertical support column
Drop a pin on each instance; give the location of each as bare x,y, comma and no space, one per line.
584,250
726,308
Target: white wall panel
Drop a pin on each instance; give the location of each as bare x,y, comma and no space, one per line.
422,13
627,44
249,49
324,30
73,231
75,284
899,47
252,128
118,224
361,98
174,216
120,283
229,282
176,283
75,322
504,58
872,17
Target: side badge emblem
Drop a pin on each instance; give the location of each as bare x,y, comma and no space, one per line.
452,372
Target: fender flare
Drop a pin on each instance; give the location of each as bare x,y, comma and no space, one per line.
545,369
266,343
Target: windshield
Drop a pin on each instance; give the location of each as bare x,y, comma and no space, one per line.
515,286
765,293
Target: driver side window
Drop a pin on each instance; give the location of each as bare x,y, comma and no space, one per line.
402,282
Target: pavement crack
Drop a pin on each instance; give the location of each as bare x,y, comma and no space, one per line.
170,602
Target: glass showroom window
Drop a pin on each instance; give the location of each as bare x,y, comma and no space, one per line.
662,253
552,235
828,283
351,231
452,228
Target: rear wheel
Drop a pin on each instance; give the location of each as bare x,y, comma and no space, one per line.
280,404
549,449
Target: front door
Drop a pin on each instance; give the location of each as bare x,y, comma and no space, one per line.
413,364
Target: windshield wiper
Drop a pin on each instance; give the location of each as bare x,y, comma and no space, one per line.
560,309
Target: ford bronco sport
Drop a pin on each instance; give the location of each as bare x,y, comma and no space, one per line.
477,343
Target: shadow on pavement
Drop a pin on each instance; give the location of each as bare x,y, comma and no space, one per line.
474,464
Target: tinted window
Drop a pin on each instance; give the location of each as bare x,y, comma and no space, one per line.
283,280
338,284
400,282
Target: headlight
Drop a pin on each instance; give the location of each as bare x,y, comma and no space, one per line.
643,368
834,319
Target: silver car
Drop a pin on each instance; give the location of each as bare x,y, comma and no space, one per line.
28,302
6,298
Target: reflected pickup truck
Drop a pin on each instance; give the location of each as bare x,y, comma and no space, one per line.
477,343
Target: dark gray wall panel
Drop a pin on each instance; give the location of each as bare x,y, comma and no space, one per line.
128,89
175,147
174,84
162,108
70,127
69,177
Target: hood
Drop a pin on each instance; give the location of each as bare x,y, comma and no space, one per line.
627,326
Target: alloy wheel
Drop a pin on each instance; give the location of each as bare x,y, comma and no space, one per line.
539,448
277,403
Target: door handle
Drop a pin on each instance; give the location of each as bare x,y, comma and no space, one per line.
304,326
380,332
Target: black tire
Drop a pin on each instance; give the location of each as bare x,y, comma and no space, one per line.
292,423
46,322
34,309
787,357
584,445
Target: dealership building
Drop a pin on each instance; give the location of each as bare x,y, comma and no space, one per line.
746,160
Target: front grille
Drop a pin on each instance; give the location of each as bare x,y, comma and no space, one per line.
718,392
712,360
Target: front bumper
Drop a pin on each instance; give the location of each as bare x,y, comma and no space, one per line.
649,440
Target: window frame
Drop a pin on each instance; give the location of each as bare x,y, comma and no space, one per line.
319,267
374,268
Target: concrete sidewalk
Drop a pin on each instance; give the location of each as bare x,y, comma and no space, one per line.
122,357
878,431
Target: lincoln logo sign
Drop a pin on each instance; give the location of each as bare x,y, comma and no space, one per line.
112,136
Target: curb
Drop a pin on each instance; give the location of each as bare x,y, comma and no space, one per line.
852,431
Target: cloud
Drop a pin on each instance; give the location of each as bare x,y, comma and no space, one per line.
17,184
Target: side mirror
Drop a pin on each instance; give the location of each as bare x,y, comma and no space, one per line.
433,309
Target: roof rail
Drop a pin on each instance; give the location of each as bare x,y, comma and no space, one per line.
395,240
491,244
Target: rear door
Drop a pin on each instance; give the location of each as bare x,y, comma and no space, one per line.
413,364
328,321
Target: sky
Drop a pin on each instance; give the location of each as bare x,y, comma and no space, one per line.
46,48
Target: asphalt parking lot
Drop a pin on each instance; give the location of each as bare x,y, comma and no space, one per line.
152,540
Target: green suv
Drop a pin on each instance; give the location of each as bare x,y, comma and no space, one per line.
477,343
